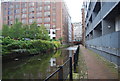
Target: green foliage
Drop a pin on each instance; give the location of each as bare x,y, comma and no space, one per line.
19,31
31,46
57,44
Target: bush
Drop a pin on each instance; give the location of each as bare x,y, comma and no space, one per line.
31,46
57,44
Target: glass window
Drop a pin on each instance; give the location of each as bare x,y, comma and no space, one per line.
39,3
31,15
17,5
31,21
11,6
24,15
31,9
9,12
10,17
39,9
5,18
54,26
47,8
24,10
24,5
17,16
31,4
39,14
47,25
46,19
47,14
54,14
24,21
54,19
47,2
10,22
17,11
39,20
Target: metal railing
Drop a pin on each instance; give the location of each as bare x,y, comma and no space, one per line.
66,73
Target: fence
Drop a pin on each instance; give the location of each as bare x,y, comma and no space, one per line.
62,73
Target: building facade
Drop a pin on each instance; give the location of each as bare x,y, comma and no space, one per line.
83,25
77,28
53,15
103,29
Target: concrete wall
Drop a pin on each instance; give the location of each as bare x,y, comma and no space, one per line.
103,34
107,44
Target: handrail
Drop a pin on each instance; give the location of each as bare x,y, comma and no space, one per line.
68,60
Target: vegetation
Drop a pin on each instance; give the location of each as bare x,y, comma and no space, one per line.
26,38
20,31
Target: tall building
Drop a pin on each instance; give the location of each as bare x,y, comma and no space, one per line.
83,25
0,17
77,28
53,15
103,29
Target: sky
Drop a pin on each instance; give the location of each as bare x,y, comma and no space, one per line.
74,7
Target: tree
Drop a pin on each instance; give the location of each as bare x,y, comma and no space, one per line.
5,30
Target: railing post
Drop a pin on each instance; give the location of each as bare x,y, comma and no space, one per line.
74,62
60,74
71,76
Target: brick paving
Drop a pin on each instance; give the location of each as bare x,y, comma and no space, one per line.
96,68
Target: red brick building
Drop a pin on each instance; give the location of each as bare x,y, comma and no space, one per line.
54,15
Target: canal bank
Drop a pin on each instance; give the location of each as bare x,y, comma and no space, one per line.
37,66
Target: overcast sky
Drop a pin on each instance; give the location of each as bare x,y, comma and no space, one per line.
74,7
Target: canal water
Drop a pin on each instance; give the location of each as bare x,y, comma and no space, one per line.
37,66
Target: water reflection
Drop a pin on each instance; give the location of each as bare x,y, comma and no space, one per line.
36,67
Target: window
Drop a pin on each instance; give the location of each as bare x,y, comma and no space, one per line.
38,24
24,10
5,18
9,12
10,22
54,26
47,14
46,19
10,17
54,19
5,13
39,14
54,14
17,11
39,9
24,5
24,21
39,20
31,9
47,2
17,16
31,4
17,5
11,6
31,15
24,15
39,3
47,25
47,8
31,21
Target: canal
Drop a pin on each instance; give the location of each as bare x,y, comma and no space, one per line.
37,66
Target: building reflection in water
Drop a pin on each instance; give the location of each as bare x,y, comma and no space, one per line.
53,62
